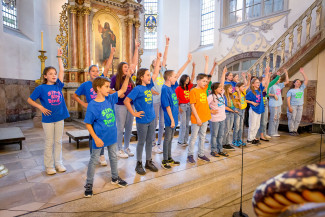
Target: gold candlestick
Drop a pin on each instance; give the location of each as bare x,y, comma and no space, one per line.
42,57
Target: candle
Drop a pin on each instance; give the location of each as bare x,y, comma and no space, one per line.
92,62
42,40
136,68
102,69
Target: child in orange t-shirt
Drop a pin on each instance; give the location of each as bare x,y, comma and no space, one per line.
199,117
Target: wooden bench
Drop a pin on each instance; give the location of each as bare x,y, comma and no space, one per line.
12,135
78,135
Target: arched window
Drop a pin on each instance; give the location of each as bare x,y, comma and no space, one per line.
150,24
207,21
9,13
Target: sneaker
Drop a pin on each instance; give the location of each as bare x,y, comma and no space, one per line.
256,141
50,171
102,160
172,161
165,164
206,141
214,154
60,168
292,133
242,143
275,135
190,159
89,190
139,168
204,158
250,141
128,152
223,154
122,154
120,182
236,143
151,166
267,136
228,147
182,144
297,134
157,149
265,140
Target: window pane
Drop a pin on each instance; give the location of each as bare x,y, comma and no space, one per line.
9,14
268,7
232,18
239,4
239,16
235,67
207,22
232,5
150,27
278,5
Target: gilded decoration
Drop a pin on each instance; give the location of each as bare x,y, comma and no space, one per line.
62,39
106,32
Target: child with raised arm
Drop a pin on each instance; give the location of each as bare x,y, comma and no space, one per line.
255,98
275,103
206,58
87,90
142,98
199,118
169,104
218,116
295,100
156,95
54,111
183,96
101,124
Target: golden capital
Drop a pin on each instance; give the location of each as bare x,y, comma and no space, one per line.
73,9
86,10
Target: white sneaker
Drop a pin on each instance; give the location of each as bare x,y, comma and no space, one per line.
60,168
122,154
129,153
50,171
267,136
102,160
157,149
276,135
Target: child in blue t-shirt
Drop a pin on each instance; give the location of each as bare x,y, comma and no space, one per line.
101,124
255,98
54,111
169,104
141,96
87,90
295,101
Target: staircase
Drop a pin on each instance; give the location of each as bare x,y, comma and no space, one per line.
298,45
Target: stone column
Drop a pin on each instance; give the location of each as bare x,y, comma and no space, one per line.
74,37
130,38
86,35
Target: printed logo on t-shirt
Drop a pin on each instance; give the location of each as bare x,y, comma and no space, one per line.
299,95
278,92
186,94
203,97
160,80
209,92
174,97
148,98
258,98
55,97
93,94
242,100
221,101
110,117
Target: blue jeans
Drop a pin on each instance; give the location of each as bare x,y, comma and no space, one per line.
94,160
275,114
294,118
124,120
53,143
184,128
145,132
167,148
195,130
238,124
228,127
217,131
264,119
159,112
91,146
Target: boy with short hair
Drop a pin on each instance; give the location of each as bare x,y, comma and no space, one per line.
101,124
200,116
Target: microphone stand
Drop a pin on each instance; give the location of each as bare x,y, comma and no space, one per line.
321,135
240,213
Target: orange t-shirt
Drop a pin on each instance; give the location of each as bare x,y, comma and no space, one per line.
198,97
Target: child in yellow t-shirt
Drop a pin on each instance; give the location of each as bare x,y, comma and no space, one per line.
200,116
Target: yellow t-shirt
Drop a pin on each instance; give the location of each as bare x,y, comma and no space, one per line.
243,103
198,97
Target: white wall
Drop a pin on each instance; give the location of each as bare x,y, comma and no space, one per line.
19,51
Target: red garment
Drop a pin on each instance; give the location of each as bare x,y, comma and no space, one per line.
183,96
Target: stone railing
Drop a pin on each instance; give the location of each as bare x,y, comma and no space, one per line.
298,35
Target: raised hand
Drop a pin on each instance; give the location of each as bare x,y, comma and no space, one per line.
167,40
193,64
189,57
249,76
243,74
113,49
206,58
60,52
225,70
278,73
136,43
301,70
215,63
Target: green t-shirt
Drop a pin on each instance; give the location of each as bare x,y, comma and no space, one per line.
209,88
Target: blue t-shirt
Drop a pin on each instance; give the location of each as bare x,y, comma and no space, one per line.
142,101
51,98
258,98
101,115
169,98
276,90
86,89
232,106
297,95
233,84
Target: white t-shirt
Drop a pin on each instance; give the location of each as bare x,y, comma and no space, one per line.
217,103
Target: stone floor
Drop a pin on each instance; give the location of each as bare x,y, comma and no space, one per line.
203,189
